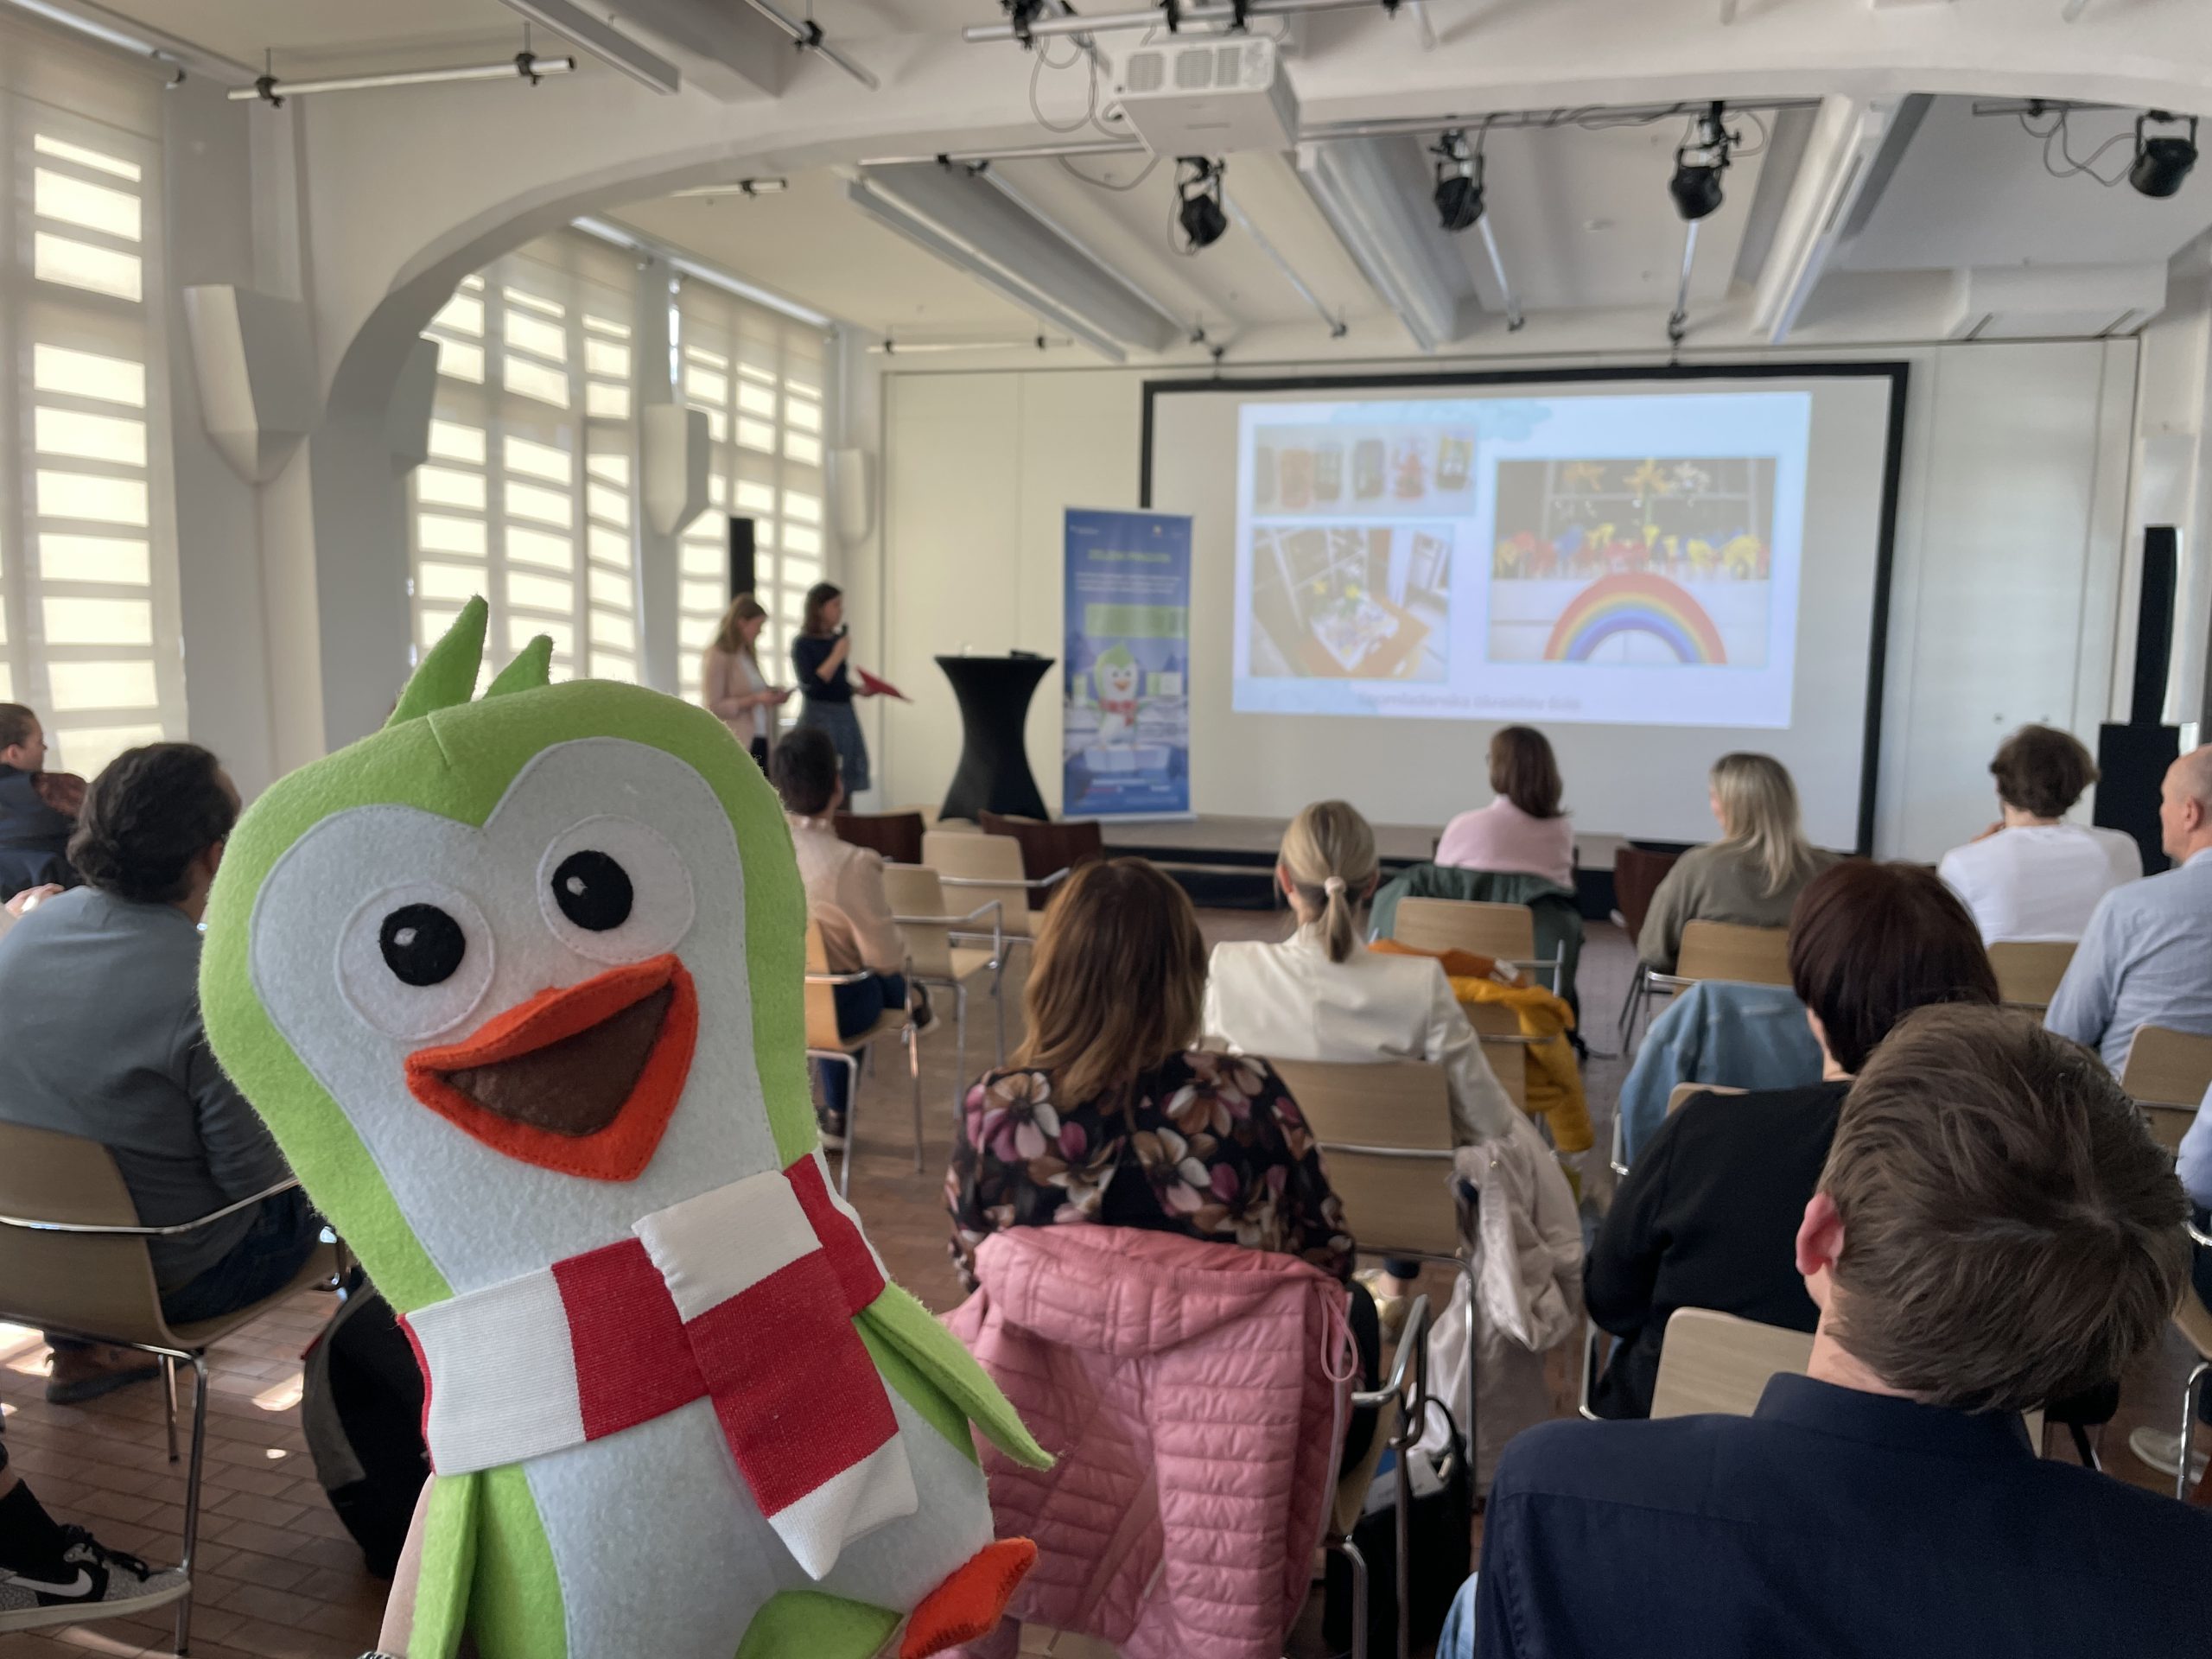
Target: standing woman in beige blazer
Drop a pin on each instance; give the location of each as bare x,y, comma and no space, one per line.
731,684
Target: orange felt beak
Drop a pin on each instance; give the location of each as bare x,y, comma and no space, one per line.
582,1080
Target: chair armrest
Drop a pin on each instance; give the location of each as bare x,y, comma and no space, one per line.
992,908
2198,1236
174,1231
838,979
1659,981
1058,875
1413,1337
1619,1157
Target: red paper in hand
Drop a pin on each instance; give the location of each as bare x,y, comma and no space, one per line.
877,688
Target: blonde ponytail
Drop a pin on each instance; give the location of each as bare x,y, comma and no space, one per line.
1328,856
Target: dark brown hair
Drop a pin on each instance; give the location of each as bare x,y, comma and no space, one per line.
1869,943
1118,979
2011,1233
149,814
2042,771
804,769
816,596
17,724
1523,770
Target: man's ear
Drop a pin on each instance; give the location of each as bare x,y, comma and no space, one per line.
1819,1237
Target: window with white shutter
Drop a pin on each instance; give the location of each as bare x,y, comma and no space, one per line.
529,496
759,376
89,632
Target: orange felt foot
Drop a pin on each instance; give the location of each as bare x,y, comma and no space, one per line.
967,1605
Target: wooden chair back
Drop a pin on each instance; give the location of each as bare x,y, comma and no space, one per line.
90,1283
1637,876
1049,845
1718,1363
1682,1091
2167,1074
1385,1132
1745,956
2028,972
914,891
896,836
820,997
1506,932
993,862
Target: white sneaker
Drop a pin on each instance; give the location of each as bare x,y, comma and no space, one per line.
92,1582
2162,1451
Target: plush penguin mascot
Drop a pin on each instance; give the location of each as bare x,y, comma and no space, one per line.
517,985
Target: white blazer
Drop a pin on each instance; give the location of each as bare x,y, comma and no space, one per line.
1288,1001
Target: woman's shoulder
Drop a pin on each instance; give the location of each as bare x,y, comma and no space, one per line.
1246,1075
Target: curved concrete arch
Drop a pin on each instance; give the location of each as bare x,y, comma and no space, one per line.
415,223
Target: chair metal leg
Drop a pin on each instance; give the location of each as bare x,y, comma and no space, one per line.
914,1075
2084,1447
169,1401
1474,1444
1357,1563
998,1005
852,1065
959,1045
192,1497
2190,1392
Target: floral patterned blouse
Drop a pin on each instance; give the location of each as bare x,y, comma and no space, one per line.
1210,1146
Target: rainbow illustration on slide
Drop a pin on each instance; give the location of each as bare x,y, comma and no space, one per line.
1635,602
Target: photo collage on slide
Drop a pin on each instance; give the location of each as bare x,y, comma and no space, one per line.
1654,560
1354,530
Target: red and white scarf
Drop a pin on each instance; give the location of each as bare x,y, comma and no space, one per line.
744,1296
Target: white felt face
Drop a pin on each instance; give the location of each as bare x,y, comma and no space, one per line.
348,909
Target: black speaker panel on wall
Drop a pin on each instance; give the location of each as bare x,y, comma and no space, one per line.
741,574
2133,758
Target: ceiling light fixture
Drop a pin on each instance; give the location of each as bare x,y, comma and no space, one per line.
1458,181
740,188
2162,162
1198,182
1699,163
523,65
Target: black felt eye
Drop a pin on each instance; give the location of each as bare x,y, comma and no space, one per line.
592,891
422,944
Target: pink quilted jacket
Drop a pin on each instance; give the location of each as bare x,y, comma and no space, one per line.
1186,1390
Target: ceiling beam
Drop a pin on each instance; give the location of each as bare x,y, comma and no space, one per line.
1838,165
734,52
609,45
1377,202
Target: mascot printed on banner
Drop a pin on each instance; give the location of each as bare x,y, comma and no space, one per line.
518,984
1116,678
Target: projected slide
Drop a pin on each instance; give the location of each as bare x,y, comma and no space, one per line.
1624,559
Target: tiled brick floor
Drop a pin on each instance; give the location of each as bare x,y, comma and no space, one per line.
279,1577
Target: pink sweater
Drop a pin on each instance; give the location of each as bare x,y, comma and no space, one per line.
1502,837
1185,1389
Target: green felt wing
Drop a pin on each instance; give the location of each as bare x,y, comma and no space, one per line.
449,1566
899,1322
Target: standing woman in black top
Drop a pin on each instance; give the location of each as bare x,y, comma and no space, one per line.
819,657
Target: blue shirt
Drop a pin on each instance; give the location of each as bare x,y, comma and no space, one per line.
1830,1523
2147,960
2194,1163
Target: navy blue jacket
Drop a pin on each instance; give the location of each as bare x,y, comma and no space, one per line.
34,837
1835,1523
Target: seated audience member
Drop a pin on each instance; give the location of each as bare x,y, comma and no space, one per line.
2032,875
101,987
1704,1216
1753,1037
2161,1447
49,1571
28,900
1523,829
1322,995
2146,956
1109,1115
1751,876
1994,1228
846,898
38,808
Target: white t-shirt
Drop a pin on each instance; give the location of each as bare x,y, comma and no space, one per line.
2039,880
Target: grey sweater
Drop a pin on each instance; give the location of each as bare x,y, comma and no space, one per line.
1716,883
100,1036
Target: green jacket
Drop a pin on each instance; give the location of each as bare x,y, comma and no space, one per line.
1558,912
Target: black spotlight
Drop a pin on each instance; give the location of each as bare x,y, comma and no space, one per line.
2162,162
1459,182
1696,184
1200,215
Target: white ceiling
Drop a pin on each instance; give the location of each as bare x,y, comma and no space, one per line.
1972,191
328,31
